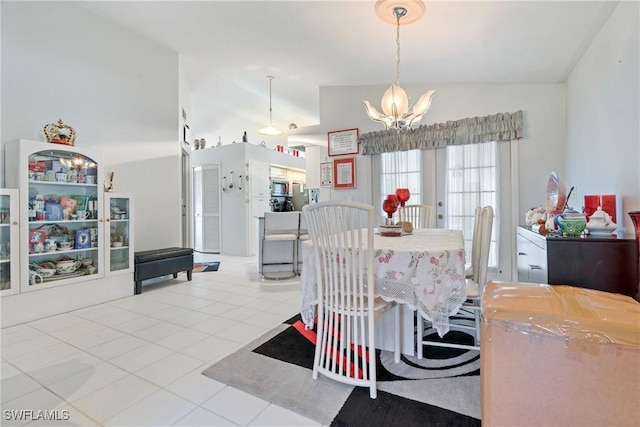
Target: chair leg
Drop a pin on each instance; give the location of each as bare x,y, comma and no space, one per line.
419,333
294,272
477,317
396,352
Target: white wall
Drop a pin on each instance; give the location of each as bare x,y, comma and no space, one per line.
119,91
603,114
540,152
235,205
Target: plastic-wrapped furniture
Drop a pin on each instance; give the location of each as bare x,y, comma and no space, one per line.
559,356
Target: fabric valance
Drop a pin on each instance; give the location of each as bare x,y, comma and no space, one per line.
474,130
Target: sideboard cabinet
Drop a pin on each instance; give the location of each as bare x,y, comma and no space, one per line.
603,263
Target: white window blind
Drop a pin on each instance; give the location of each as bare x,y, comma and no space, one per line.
472,181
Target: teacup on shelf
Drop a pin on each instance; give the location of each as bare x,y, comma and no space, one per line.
66,245
67,266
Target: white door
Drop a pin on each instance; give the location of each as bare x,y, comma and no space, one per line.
468,176
206,201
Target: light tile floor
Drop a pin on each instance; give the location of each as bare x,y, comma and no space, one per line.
137,361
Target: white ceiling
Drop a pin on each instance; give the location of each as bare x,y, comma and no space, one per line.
229,47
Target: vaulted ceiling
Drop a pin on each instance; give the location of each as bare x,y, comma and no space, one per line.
229,47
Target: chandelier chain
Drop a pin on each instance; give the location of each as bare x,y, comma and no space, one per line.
398,52
398,12
270,116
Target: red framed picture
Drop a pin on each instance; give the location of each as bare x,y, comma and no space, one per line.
342,142
344,173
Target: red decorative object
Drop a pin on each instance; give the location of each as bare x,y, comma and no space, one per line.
609,205
60,133
390,205
402,194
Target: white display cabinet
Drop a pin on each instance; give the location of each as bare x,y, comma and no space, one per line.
119,250
64,238
9,242
61,212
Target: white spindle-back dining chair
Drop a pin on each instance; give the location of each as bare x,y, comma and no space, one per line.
474,290
420,216
342,237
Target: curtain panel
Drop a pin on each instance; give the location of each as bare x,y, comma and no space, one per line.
474,130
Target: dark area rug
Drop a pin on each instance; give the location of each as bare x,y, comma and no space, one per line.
206,266
442,389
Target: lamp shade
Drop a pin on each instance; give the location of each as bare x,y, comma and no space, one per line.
270,131
395,102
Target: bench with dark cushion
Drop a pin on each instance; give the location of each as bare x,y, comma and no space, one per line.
159,262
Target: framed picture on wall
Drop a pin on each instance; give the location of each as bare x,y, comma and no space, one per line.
343,142
326,174
344,173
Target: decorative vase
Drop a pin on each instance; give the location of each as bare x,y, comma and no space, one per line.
635,217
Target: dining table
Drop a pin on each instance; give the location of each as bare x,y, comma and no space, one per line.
423,270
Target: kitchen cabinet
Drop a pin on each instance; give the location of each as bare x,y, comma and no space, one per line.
259,179
64,259
296,177
278,174
596,262
9,242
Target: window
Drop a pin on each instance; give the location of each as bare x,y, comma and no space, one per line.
472,181
401,169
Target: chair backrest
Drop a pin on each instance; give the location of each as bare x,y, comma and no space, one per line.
302,228
420,216
281,223
476,239
486,227
341,232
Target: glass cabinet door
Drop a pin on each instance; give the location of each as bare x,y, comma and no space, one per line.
119,220
9,231
63,215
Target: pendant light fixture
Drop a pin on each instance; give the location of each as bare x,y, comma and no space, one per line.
270,130
395,103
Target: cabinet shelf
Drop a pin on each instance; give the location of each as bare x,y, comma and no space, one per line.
113,248
66,251
72,184
64,221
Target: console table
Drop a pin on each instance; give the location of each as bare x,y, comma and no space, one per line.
604,263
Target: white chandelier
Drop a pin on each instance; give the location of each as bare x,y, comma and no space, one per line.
270,130
395,103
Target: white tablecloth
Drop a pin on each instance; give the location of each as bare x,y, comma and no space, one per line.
424,270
